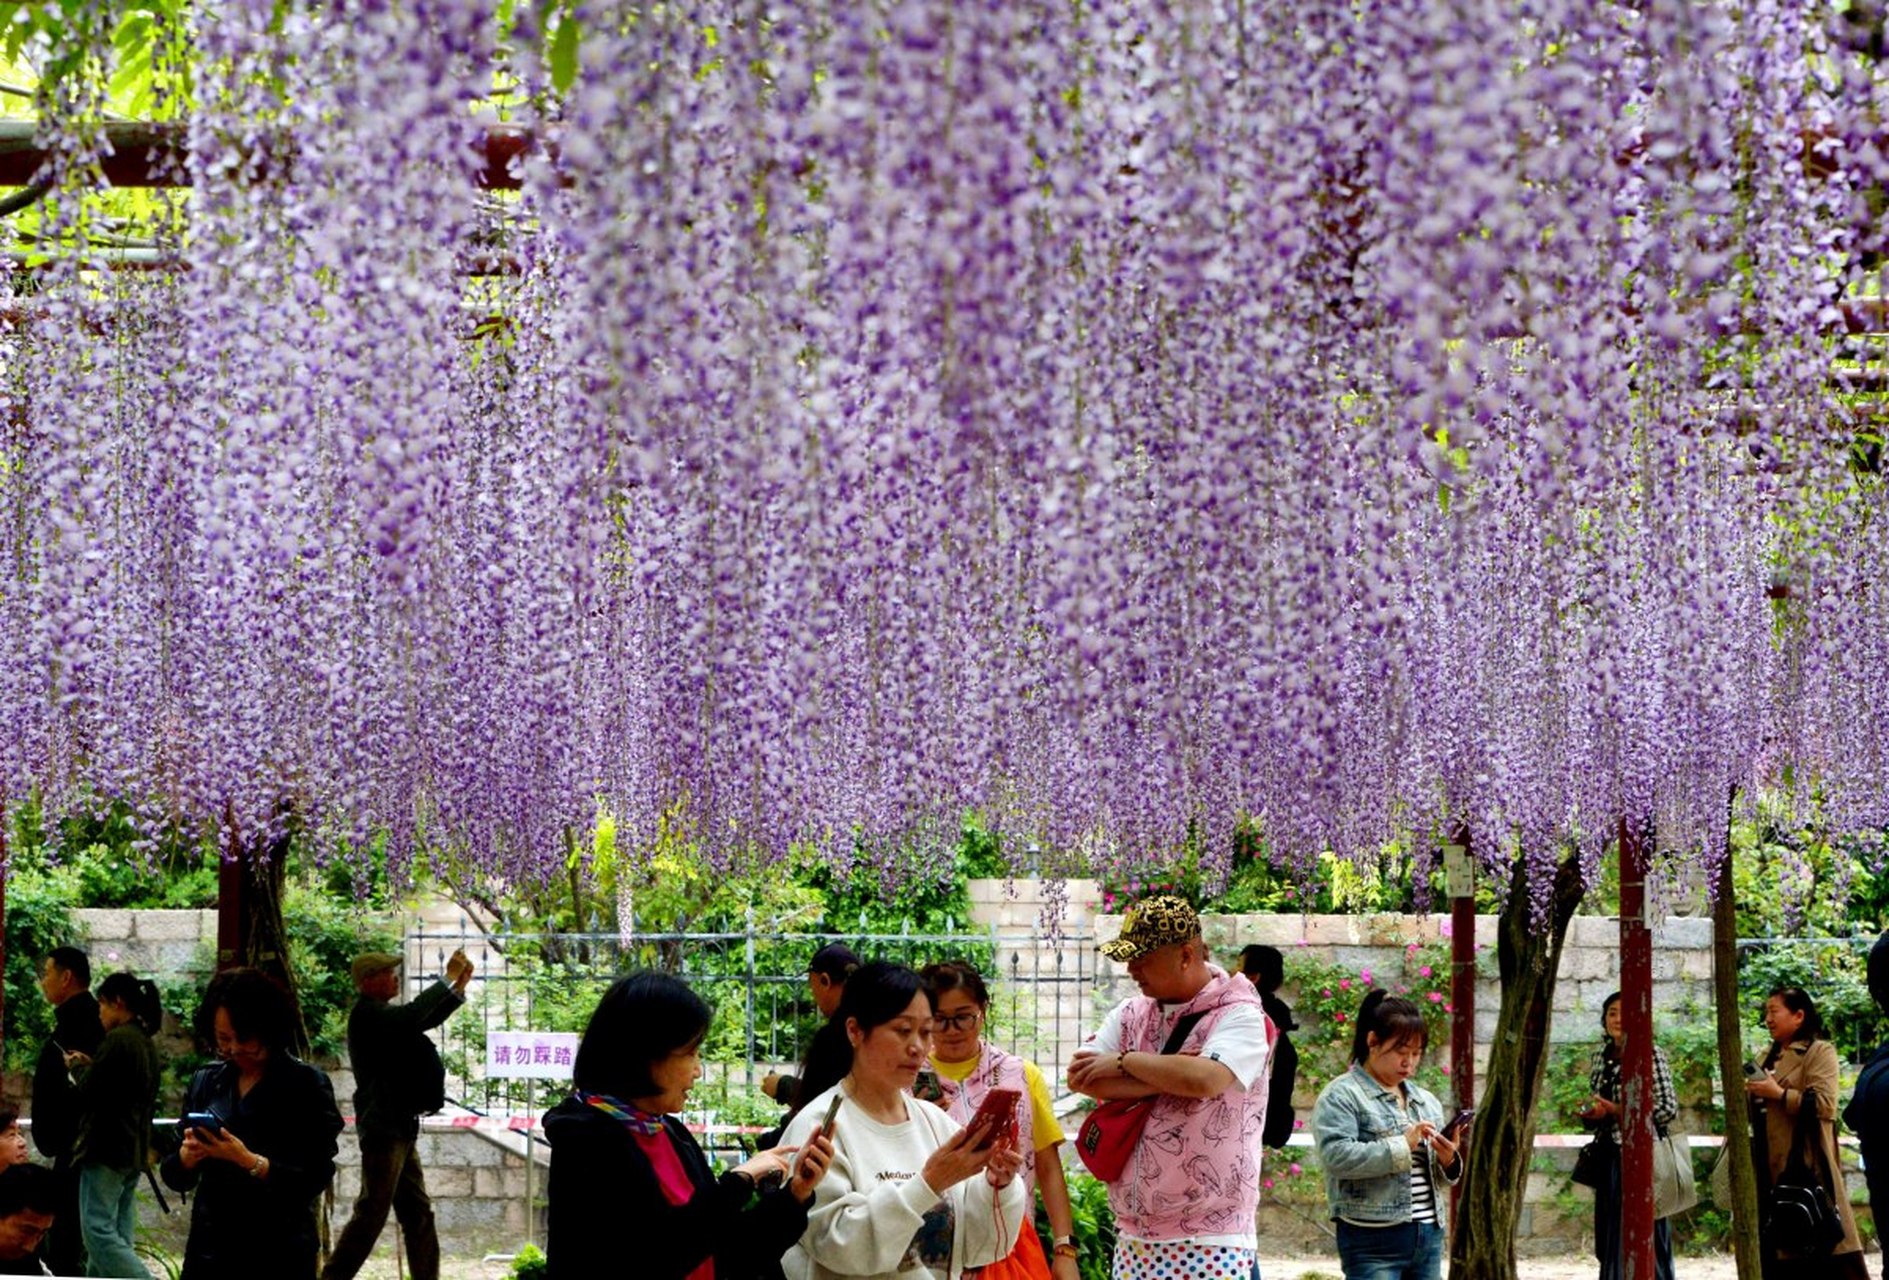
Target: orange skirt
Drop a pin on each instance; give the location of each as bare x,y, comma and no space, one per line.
1026,1261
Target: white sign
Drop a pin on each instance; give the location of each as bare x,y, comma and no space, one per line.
530,1055
1459,870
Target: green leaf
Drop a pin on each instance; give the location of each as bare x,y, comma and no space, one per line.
564,55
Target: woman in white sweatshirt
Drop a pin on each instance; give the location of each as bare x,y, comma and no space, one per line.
902,1197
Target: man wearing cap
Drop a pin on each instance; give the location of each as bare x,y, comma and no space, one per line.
826,979
398,1077
1186,1200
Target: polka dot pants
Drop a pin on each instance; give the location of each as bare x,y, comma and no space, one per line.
1173,1260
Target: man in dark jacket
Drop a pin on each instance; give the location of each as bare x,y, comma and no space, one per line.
1868,1113
397,1077
65,978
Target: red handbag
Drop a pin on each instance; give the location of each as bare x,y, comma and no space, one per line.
1109,1133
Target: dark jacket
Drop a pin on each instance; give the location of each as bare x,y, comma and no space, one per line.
382,1044
117,1095
55,1110
1868,1118
28,1266
608,1216
1283,1075
243,1227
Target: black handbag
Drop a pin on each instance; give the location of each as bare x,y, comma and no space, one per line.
1801,1219
1590,1163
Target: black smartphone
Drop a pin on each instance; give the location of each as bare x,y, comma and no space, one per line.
826,1125
208,1121
1458,1123
926,1086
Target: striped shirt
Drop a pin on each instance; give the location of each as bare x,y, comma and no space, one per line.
1422,1193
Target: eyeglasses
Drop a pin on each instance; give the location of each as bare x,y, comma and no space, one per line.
955,1021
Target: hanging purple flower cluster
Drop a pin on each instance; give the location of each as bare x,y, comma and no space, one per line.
1121,419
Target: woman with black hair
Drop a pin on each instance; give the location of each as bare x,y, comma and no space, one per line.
264,1149
967,1067
1603,1116
903,1199
117,1097
628,1181
1801,1060
1385,1155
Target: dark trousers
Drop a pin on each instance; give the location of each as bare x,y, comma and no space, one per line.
391,1178
64,1248
1607,1233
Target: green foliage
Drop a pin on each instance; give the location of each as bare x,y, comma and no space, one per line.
38,918
325,934
529,1263
1094,1232
1327,1000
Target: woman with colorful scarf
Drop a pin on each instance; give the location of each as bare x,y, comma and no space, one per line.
630,1190
967,1068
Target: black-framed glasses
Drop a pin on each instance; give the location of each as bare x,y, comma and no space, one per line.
955,1021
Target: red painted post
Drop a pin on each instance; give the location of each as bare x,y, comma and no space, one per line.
1461,868
1636,1060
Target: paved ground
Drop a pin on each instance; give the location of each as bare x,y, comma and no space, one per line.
1715,1268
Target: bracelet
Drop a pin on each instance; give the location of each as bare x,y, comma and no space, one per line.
255,1170
1064,1249
1121,1063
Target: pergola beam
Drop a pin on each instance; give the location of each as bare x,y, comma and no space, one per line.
149,155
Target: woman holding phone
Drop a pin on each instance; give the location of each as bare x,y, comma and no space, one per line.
967,1068
1801,1060
260,1129
1385,1151
117,1096
1603,1116
628,1180
912,1194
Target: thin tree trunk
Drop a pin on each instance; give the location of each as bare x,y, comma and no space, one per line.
1502,1141
1731,1056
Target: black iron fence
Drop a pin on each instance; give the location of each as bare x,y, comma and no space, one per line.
1042,1000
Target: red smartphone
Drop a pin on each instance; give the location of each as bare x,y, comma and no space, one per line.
997,1113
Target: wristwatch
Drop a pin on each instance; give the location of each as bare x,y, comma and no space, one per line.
1063,1246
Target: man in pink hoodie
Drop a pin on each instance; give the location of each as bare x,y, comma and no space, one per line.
1187,1198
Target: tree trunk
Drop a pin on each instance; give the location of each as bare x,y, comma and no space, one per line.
250,929
1731,1057
1502,1141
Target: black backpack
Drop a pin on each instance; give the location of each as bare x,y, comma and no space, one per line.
423,1083
1800,1215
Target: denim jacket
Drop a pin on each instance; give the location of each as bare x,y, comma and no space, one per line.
1360,1132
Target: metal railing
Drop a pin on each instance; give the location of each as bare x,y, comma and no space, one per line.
1042,998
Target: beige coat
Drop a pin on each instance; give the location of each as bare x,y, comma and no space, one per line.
1808,1064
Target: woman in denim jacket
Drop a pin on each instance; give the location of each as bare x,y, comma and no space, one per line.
1386,1160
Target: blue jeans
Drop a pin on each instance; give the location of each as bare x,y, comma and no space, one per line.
1407,1251
108,1221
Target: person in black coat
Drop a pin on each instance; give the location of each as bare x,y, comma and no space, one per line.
65,979
258,1171
628,1181
1265,968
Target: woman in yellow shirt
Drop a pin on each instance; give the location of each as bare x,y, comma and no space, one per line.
968,1067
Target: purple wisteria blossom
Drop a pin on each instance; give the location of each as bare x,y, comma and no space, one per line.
1122,419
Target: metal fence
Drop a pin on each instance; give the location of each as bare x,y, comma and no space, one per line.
1042,999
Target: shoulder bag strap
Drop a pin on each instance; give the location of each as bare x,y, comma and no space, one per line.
1178,1036
1807,1141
